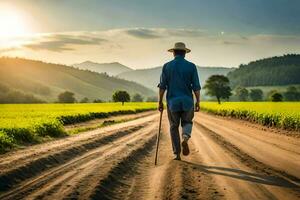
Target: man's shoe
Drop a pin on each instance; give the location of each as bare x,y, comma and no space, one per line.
185,147
177,157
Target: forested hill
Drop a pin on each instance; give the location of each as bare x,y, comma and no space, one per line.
46,81
283,70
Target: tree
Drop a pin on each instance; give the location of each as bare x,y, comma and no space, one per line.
292,94
137,98
66,97
15,96
218,86
276,97
270,93
84,100
256,94
242,93
152,99
3,88
121,96
98,101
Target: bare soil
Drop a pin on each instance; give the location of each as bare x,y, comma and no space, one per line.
229,159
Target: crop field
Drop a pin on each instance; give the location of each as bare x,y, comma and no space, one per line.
29,122
284,115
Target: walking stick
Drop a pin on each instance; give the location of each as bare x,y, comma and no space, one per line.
157,138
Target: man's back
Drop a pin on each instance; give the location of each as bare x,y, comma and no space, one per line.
179,77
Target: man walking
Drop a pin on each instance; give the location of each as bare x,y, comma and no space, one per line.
180,78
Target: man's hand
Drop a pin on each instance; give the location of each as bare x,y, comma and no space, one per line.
197,104
160,106
197,107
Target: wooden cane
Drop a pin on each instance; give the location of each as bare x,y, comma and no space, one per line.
158,136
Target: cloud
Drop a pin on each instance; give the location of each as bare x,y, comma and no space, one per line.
6,50
230,42
143,33
69,41
140,47
185,32
63,42
153,33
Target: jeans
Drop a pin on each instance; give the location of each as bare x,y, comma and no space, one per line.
185,118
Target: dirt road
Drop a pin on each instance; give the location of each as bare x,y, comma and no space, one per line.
230,159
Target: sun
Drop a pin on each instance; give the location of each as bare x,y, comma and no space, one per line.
12,24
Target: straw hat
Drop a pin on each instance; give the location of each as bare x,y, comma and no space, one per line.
180,46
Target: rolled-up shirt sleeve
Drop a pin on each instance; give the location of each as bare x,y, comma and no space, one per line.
163,80
195,80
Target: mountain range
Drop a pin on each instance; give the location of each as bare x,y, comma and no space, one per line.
147,77
45,81
36,79
111,69
150,77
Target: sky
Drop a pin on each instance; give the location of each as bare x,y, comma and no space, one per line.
137,33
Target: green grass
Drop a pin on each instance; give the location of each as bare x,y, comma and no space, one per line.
284,115
95,126
29,123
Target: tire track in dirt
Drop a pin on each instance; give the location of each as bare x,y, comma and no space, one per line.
85,164
169,179
111,185
83,186
197,183
10,179
239,175
281,176
20,157
278,151
140,179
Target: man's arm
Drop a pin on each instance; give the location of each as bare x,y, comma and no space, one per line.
197,104
160,99
162,88
196,88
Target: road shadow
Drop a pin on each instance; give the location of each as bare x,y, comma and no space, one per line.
243,175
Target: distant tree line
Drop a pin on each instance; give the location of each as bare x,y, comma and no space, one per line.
218,86
118,96
283,70
8,95
124,96
291,94
244,94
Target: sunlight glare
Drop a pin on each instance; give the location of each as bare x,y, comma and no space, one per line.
12,24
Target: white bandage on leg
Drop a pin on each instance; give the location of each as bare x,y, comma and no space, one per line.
185,137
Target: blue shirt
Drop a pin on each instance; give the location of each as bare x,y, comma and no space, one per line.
179,77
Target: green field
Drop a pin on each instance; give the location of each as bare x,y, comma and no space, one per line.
27,123
284,115
31,123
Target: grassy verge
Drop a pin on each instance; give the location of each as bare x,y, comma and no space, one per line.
285,115
95,126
